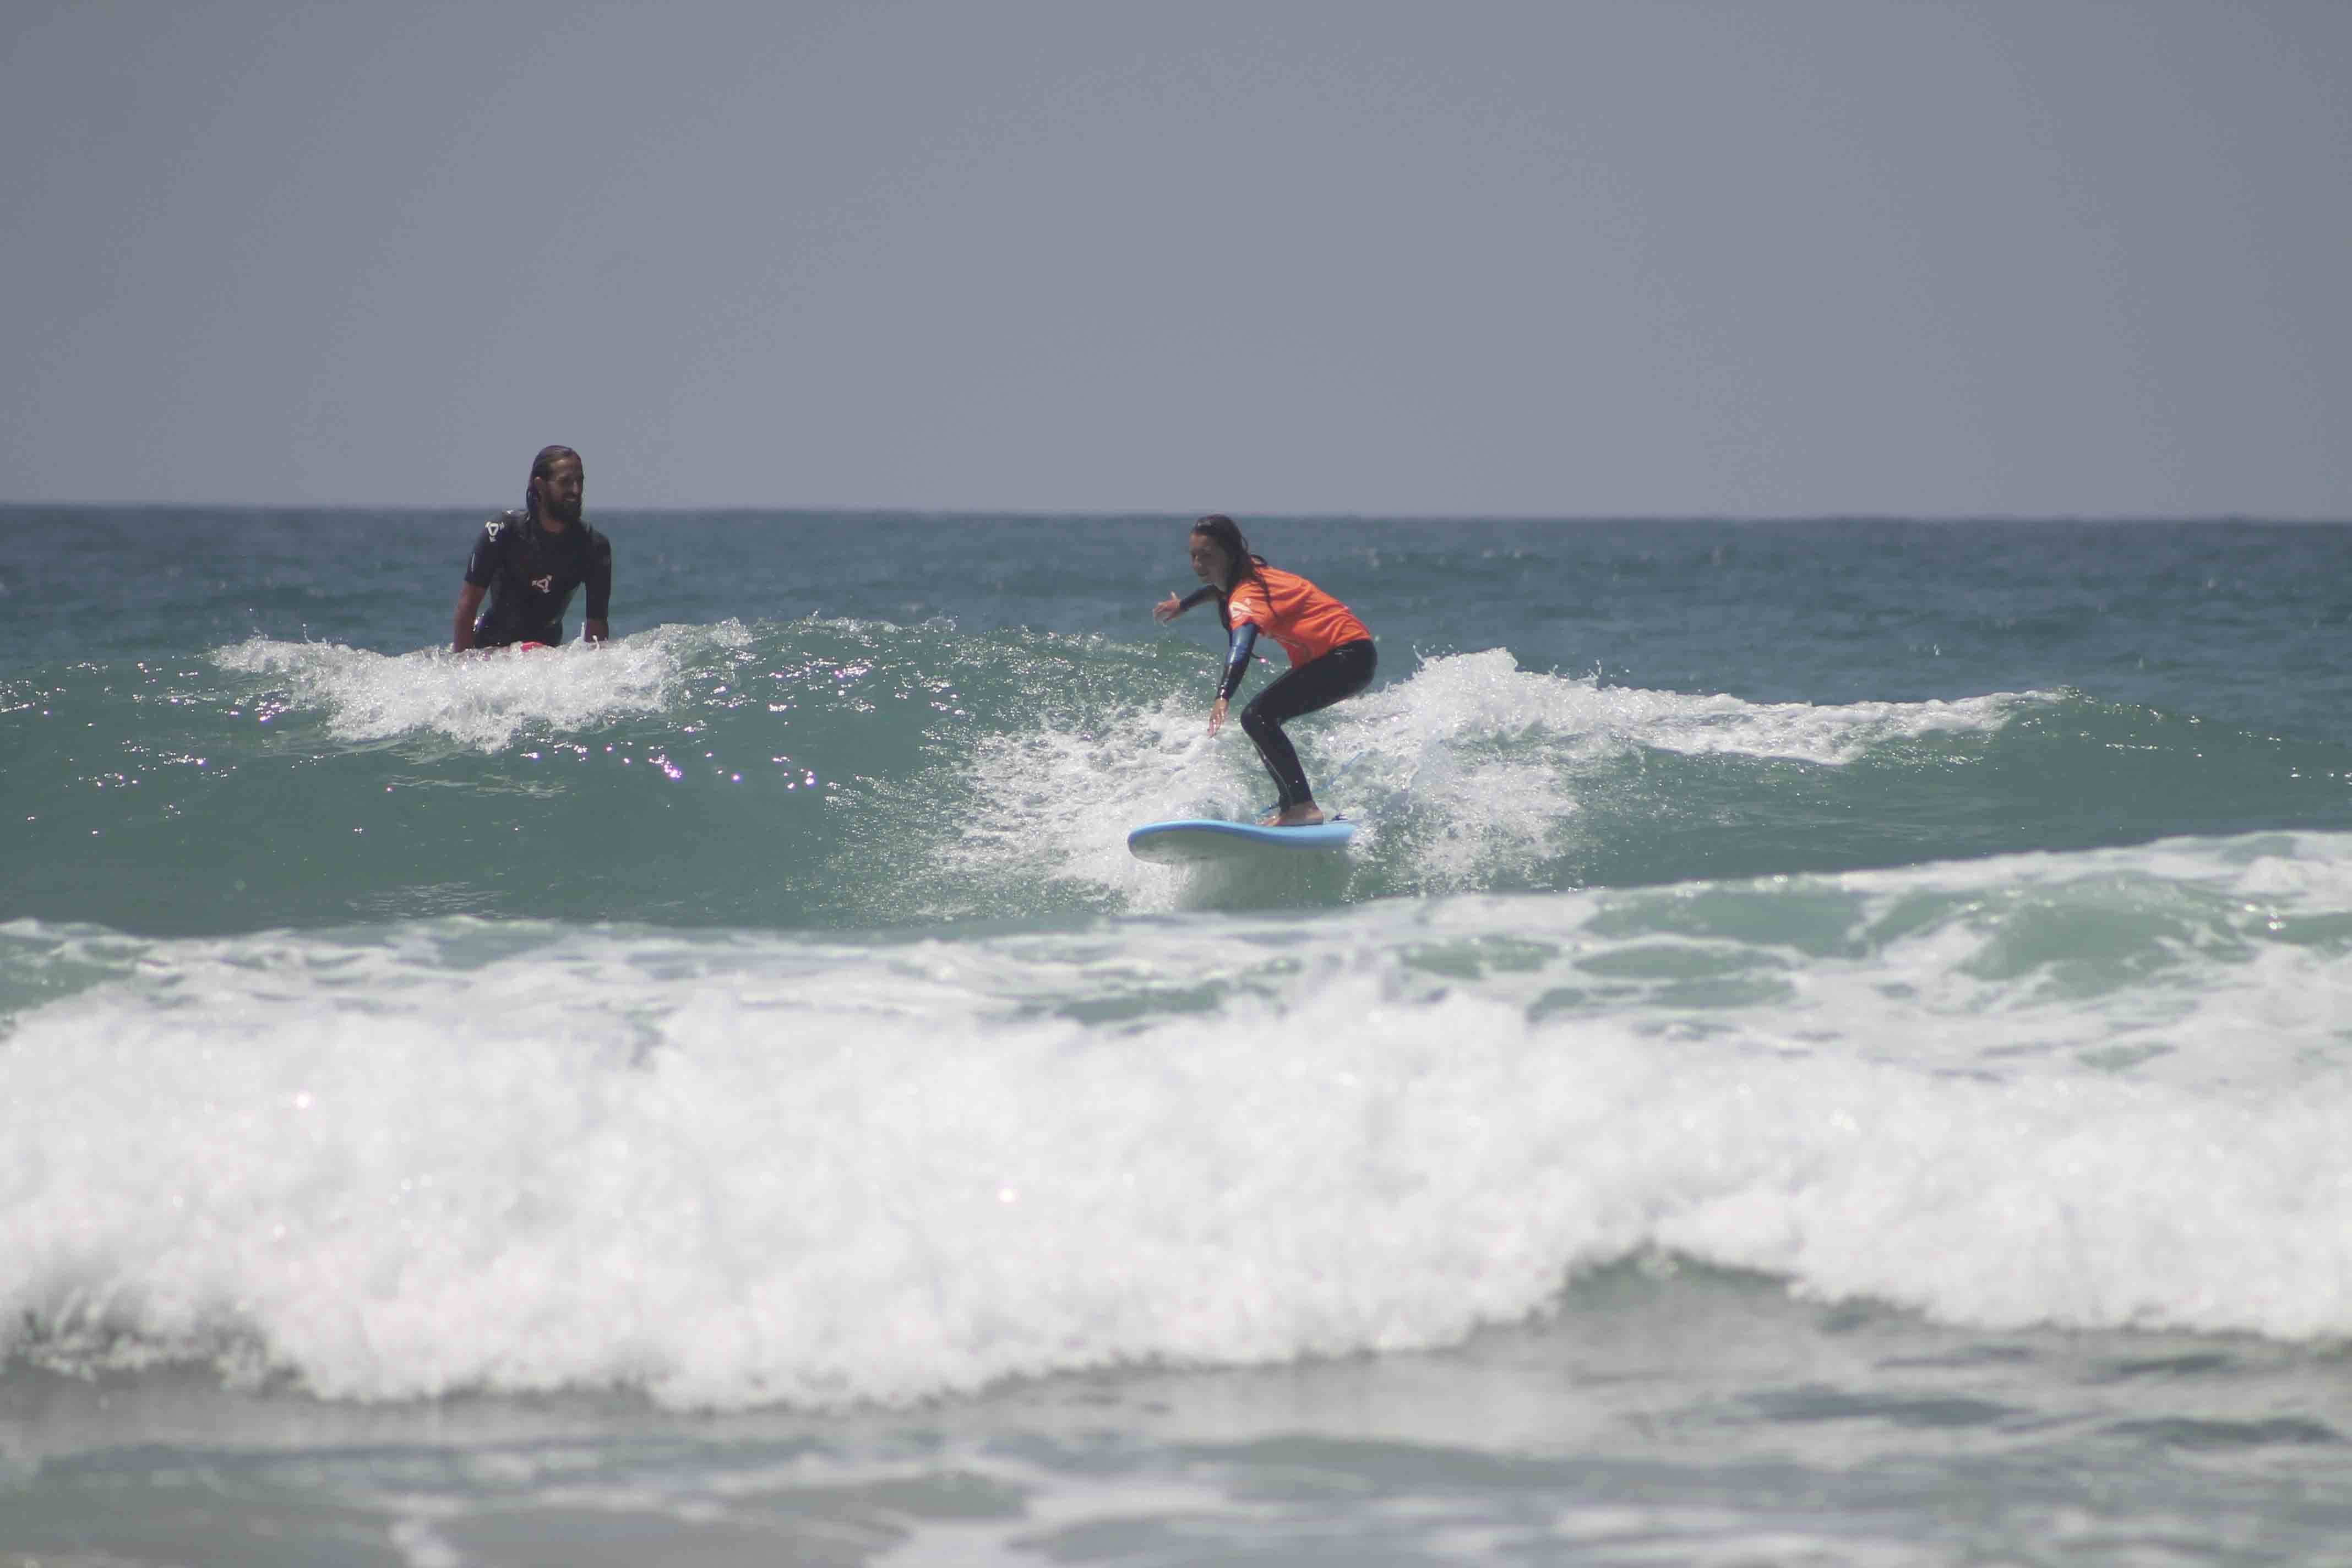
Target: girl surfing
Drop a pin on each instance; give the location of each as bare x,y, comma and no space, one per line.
1330,653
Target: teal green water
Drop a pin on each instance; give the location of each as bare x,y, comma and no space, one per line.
1831,1044
809,718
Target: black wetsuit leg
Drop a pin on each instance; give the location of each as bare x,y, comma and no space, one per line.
1319,683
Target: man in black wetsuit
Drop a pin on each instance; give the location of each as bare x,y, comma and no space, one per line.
528,561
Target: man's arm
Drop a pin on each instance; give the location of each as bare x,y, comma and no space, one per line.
470,599
600,592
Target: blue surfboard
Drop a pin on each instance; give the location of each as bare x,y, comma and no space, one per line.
1197,840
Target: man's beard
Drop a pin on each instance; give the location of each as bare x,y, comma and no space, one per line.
563,511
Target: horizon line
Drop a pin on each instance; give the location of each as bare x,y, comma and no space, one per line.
1126,514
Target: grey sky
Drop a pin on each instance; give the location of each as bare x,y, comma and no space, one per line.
1558,259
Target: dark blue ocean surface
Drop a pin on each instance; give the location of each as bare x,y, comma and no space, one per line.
2238,622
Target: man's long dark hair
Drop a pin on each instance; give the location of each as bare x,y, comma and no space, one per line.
547,458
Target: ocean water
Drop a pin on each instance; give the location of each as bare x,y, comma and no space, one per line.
1834,1045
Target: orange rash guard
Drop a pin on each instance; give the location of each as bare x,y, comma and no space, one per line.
1308,622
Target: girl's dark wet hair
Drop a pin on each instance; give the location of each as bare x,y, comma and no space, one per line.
1228,538
540,465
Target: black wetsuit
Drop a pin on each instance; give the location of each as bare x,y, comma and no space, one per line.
1319,683
1336,674
531,573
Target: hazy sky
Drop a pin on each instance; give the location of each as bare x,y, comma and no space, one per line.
2046,258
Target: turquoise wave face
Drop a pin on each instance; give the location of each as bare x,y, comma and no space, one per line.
214,722
849,775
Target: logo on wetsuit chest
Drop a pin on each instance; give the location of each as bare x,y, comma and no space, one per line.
544,584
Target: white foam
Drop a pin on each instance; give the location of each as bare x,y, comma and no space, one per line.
733,1169
1487,762
1487,697
483,701
1060,802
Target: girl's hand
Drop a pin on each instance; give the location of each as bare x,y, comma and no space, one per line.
1168,609
1217,716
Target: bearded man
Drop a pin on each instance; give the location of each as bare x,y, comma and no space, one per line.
528,561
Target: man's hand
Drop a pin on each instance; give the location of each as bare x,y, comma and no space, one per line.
593,631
